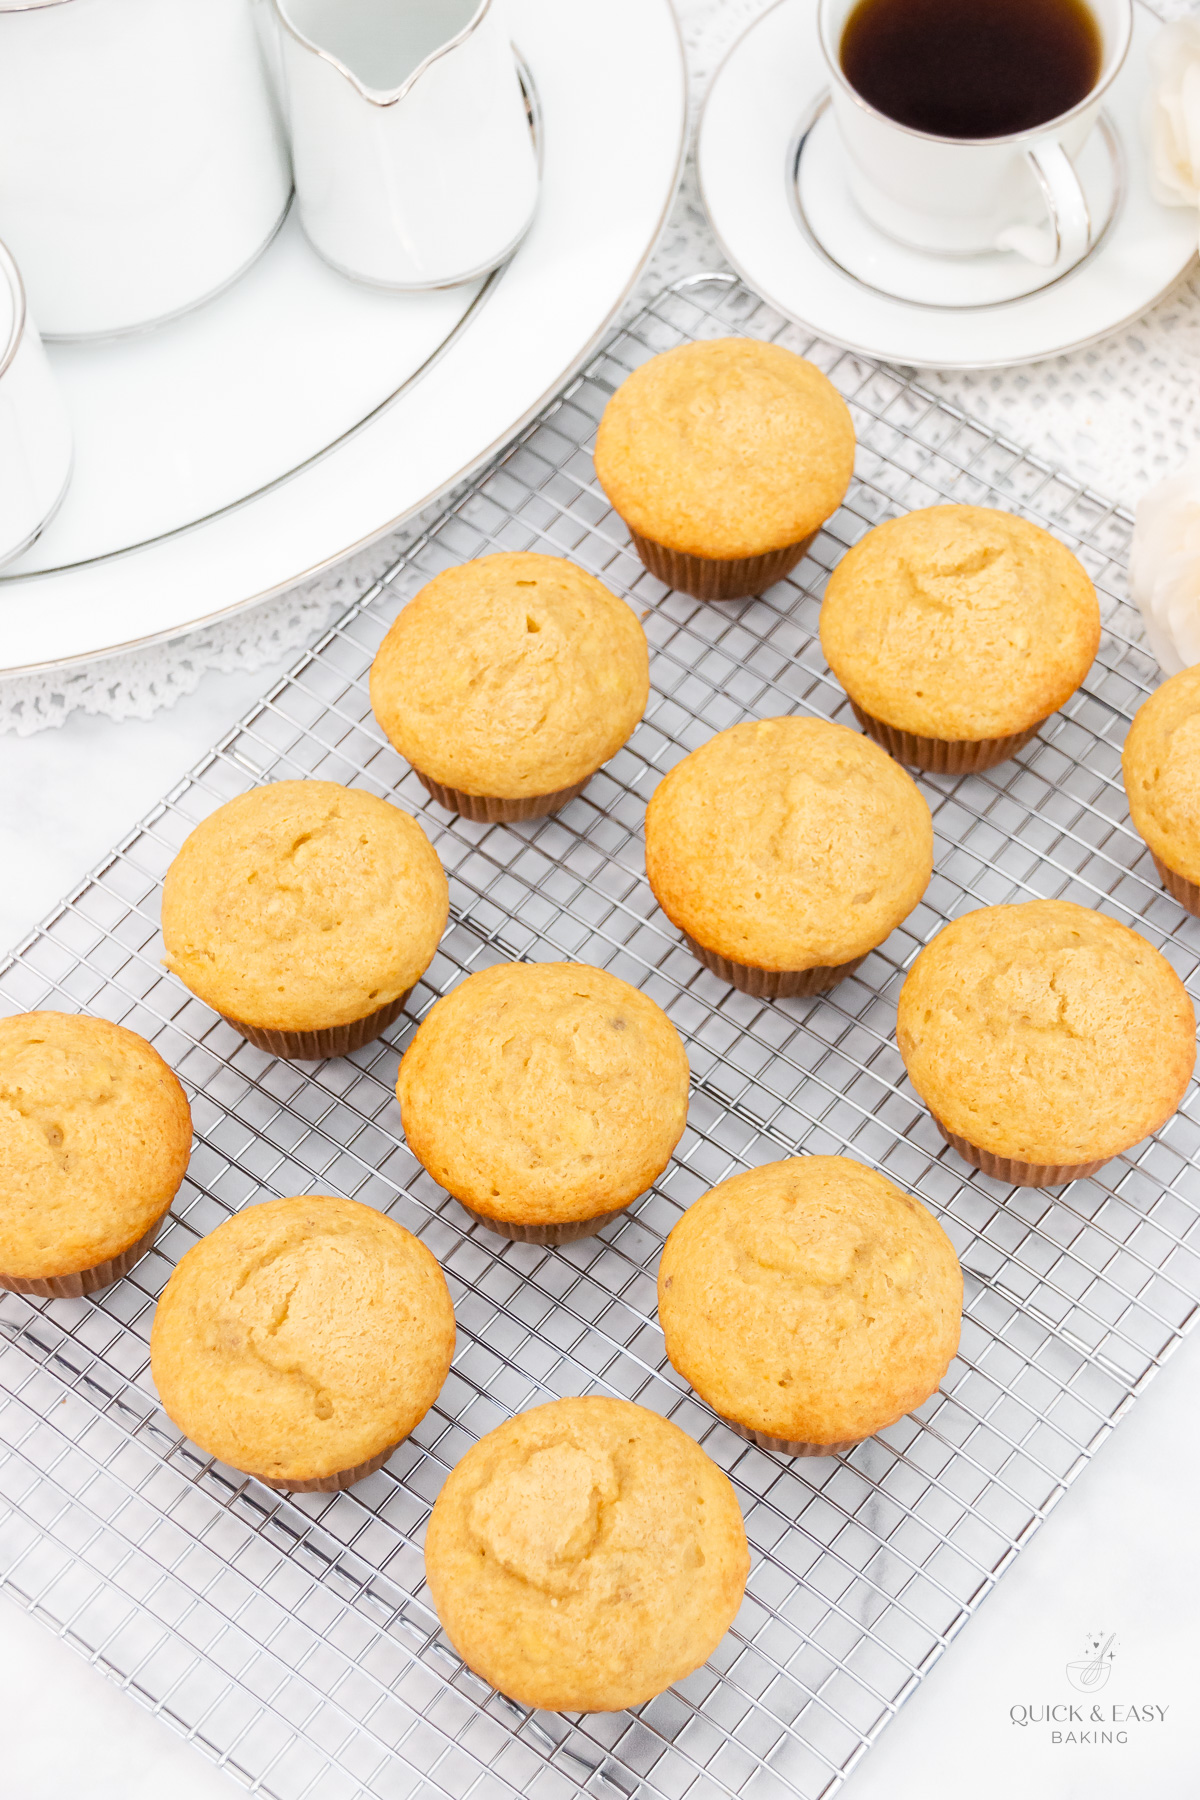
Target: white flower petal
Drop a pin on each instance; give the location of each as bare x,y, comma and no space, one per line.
1175,114
1164,567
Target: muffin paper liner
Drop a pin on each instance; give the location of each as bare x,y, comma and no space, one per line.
1178,886
772,984
718,578
492,809
86,1281
551,1235
1012,1169
333,1040
788,1446
330,1484
944,756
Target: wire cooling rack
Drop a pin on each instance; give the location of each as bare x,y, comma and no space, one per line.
292,1638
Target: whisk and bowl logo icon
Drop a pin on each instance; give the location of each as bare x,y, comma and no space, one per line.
1087,1674
1091,1720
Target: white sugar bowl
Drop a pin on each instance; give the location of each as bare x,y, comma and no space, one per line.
35,435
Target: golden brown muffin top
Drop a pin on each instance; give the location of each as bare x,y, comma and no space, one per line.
95,1133
810,1300
302,1338
726,449
302,905
1046,1033
513,675
542,1093
960,623
1161,765
586,1555
788,844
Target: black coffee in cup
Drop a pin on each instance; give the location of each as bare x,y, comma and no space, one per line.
972,68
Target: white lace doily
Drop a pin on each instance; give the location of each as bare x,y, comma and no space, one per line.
1118,416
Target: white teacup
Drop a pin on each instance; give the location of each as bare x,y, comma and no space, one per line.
35,435
968,196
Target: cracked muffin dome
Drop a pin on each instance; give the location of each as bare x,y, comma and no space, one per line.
303,905
302,1340
1161,765
544,1094
810,1302
959,623
513,676
585,1555
95,1133
1046,1034
788,844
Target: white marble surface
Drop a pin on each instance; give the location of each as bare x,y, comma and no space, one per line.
70,1734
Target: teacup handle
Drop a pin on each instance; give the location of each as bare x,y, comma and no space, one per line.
1070,221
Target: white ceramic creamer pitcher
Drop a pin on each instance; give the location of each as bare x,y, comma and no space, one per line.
415,165
143,164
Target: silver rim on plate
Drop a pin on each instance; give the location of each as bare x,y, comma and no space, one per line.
411,507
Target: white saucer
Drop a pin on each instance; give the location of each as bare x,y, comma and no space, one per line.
228,454
826,211
773,181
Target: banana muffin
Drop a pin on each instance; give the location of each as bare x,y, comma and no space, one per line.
785,850
304,913
724,459
585,1555
1045,1039
810,1303
302,1340
95,1134
956,632
545,1097
508,681
1161,765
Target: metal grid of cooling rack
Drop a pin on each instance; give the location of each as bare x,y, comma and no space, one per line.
292,1637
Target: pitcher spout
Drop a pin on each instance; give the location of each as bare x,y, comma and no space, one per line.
381,47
